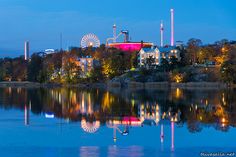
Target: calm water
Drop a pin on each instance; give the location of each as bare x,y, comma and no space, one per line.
63,122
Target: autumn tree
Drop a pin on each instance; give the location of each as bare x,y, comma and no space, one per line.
193,47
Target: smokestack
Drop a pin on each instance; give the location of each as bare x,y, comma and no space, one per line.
26,50
162,33
114,33
172,27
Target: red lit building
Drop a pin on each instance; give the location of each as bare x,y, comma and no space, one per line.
130,46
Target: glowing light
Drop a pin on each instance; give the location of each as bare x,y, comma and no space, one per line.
223,120
49,115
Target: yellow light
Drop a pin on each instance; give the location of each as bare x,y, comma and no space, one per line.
178,92
200,117
223,120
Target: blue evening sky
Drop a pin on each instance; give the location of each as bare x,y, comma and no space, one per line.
42,21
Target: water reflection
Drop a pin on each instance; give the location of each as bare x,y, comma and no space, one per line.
120,110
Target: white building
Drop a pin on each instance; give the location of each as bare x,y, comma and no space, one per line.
158,54
86,63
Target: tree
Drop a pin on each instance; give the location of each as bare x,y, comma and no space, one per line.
206,53
19,69
34,67
228,72
134,59
95,75
193,47
70,67
150,61
115,65
165,66
174,63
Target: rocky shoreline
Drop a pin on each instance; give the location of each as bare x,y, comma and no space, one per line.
161,85
129,85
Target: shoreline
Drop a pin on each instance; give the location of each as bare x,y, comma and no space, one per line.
130,85
173,85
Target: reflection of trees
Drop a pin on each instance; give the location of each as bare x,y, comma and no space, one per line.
198,108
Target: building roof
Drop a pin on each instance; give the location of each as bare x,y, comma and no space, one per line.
161,49
166,49
148,50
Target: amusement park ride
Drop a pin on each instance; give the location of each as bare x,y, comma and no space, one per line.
91,40
127,45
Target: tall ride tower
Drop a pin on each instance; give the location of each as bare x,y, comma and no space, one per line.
172,27
26,50
162,33
114,33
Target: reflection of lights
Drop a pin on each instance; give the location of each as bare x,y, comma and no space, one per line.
90,127
178,92
223,99
162,133
172,136
49,115
114,135
200,118
27,115
175,119
149,113
224,122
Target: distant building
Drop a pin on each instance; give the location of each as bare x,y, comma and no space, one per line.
26,54
158,54
49,51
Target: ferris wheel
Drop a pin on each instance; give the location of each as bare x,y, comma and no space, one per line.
90,127
90,40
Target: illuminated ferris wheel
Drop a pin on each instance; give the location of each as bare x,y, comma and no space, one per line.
90,40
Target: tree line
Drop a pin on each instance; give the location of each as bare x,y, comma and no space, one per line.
46,68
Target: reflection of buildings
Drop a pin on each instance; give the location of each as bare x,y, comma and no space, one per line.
149,114
172,136
27,115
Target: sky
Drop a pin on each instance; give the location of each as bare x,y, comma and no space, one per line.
42,21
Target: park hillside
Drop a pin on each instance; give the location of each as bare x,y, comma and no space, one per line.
197,63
